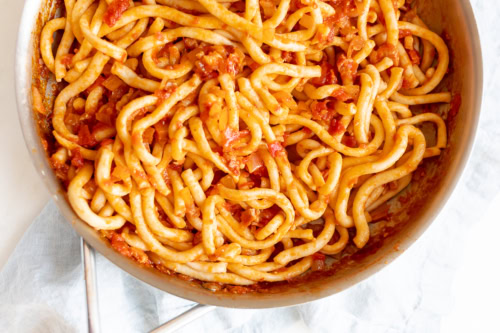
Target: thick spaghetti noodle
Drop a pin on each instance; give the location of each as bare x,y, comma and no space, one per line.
239,141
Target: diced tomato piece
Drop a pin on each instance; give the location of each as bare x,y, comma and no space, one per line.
318,256
385,50
234,63
414,57
67,59
322,111
268,214
85,138
348,68
349,141
164,93
119,244
77,159
336,127
328,75
276,149
176,167
115,11
256,177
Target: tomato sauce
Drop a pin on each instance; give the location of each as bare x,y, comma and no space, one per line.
347,68
276,149
323,111
115,11
328,75
163,94
119,244
76,159
85,138
385,50
336,127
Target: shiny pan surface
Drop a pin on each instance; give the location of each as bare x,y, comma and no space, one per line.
411,212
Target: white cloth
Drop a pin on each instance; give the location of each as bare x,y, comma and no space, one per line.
42,288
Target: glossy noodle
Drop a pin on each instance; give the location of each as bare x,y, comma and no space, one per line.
237,142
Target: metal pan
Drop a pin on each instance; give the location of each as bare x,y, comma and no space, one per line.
411,214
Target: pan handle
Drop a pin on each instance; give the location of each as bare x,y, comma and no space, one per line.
94,325
93,304
184,318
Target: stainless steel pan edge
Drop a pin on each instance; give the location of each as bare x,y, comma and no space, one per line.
472,96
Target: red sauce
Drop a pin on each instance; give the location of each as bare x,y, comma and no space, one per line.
115,11
276,149
455,103
349,141
96,84
234,209
318,256
163,94
207,67
67,59
77,159
404,33
328,75
210,61
256,176
85,138
380,213
248,217
161,130
343,10
406,83
165,51
322,111
119,244
238,289
318,263
414,57
287,56
343,95
175,167
298,4
385,50
233,64
268,214
347,68
233,164
106,142
107,114
336,127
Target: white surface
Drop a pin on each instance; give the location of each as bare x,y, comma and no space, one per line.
471,244
22,194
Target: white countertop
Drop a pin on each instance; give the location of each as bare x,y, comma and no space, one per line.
22,195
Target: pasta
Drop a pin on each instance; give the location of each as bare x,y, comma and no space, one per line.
237,142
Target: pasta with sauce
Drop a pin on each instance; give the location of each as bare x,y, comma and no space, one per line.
235,141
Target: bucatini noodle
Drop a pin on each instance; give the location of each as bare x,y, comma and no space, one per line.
239,141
